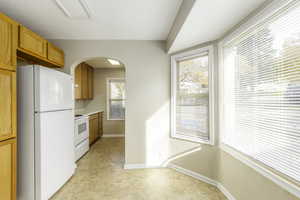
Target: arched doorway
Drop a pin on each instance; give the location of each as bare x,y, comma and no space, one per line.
100,90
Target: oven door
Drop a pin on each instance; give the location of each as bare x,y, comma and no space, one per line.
81,130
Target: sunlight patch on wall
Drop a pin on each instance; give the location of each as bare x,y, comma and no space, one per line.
159,145
157,136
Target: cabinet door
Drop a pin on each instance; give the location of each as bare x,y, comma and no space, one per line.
96,127
8,41
32,43
90,82
7,104
8,170
100,124
55,55
84,77
78,82
91,131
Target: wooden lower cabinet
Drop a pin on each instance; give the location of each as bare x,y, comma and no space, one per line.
95,127
8,169
100,124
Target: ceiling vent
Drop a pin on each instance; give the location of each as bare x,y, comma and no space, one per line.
74,9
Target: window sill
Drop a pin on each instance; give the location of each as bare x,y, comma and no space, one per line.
192,139
277,179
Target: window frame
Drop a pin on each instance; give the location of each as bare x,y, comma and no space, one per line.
275,7
183,56
108,98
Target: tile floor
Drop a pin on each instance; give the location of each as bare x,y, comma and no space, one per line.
100,176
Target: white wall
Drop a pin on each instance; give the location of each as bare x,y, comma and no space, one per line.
147,126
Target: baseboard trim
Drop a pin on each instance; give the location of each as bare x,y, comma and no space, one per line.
186,172
193,174
225,192
279,180
113,135
202,178
140,166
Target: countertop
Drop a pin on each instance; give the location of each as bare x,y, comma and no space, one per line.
87,113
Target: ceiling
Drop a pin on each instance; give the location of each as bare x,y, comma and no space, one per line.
109,19
102,63
209,20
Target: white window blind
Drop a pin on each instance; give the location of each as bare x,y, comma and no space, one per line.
191,96
262,92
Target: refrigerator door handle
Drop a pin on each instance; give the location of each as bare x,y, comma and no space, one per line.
46,111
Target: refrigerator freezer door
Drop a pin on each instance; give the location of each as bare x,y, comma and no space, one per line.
55,156
53,90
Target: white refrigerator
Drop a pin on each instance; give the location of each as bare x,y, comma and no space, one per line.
46,159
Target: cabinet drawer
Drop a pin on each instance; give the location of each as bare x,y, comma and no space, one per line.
7,104
55,55
8,170
32,43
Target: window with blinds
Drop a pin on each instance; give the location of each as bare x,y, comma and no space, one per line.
116,99
262,92
191,97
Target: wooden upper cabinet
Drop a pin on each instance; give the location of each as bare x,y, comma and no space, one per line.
8,43
78,81
7,104
17,40
90,82
84,76
8,170
84,81
32,43
55,55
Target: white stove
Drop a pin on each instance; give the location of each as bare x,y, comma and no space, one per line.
81,136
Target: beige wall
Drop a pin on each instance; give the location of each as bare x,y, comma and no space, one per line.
100,97
245,183
203,161
147,125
